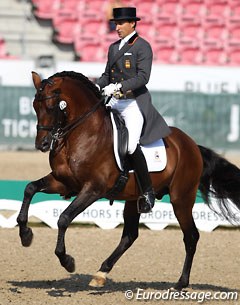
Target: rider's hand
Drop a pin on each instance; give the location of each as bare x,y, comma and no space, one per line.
111,89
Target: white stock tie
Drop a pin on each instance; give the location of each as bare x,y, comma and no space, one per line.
122,43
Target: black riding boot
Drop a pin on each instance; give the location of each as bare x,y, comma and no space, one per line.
147,199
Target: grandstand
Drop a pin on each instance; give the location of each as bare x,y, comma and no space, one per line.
181,32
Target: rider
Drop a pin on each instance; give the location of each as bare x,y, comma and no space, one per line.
127,72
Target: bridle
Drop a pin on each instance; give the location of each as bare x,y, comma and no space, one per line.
57,131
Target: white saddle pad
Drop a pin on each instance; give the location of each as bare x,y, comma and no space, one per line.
155,153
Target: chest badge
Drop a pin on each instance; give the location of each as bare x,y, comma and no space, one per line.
127,64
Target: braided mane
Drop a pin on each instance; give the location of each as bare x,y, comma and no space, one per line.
79,76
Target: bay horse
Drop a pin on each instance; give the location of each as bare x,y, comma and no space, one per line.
74,125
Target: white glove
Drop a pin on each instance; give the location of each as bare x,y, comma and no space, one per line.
111,89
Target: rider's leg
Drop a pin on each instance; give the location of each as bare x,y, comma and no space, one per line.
134,122
147,199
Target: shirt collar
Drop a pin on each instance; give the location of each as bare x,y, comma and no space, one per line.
125,39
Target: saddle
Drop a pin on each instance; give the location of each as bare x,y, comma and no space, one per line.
155,154
122,136
122,148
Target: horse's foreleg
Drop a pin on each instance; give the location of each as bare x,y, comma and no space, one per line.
190,238
25,233
129,235
78,205
46,184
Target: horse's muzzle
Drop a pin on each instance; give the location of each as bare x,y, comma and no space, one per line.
43,145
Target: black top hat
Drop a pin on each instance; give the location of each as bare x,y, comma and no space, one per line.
124,13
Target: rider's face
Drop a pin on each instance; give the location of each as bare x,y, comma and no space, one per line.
124,28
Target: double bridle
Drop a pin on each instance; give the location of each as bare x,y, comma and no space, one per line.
57,131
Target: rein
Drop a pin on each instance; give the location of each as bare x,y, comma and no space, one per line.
69,127
56,131
65,130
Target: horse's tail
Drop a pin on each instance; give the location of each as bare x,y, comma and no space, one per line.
220,179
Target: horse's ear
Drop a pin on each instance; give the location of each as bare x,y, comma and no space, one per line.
36,80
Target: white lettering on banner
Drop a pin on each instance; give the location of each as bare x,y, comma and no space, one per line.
209,87
26,106
109,217
22,128
233,136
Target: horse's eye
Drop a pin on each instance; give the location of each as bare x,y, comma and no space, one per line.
50,105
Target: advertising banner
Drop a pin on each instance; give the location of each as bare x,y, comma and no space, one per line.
17,118
212,120
47,209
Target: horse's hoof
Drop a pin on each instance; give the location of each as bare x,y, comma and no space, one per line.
179,286
26,237
69,263
98,280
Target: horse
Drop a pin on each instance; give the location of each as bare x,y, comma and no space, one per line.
74,126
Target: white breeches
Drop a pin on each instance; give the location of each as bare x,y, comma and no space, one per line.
133,119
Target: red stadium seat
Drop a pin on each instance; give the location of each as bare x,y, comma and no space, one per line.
233,55
146,29
71,5
92,26
217,10
215,32
126,2
45,9
167,9
90,51
234,33
189,55
234,10
146,10
106,41
94,8
180,31
166,29
64,25
214,55
165,54
192,8
84,37
190,28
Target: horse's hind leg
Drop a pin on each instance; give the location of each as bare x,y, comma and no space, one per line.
183,212
129,235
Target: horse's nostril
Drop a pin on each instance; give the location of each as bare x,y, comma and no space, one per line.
43,145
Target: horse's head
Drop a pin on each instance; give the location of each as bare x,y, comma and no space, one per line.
62,102
49,108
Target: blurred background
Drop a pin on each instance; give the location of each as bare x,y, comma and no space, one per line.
195,82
